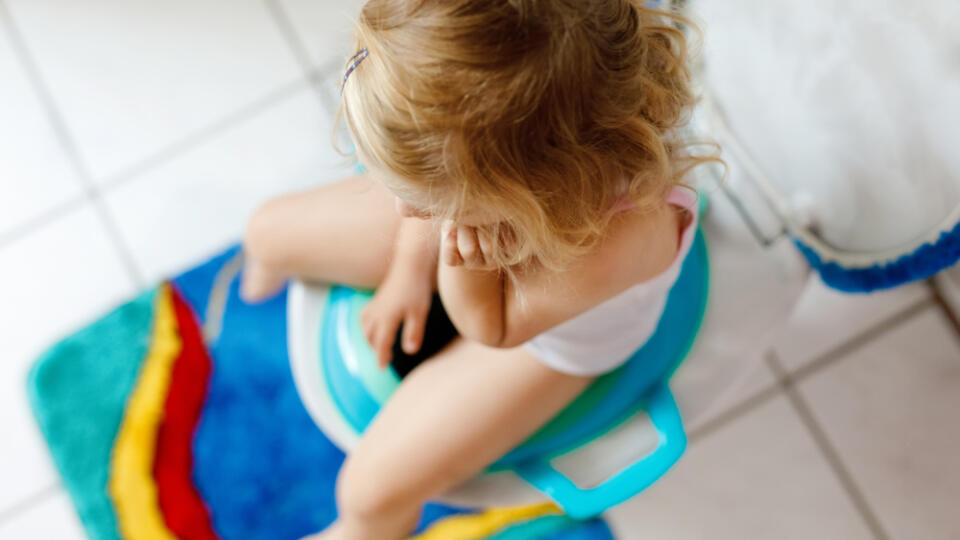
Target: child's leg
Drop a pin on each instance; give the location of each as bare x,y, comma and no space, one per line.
451,417
342,233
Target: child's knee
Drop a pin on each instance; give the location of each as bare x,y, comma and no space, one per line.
366,488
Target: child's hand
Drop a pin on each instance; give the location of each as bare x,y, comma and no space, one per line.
404,296
463,245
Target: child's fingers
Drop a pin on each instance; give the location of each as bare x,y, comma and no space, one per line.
367,323
413,328
451,256
383,343
448,245
446,226
486,246
469,246
381,339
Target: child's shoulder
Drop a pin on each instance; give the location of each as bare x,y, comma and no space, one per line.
637,246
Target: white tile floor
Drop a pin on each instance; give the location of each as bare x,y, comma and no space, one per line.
137,136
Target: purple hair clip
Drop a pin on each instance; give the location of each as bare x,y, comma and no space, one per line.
354,62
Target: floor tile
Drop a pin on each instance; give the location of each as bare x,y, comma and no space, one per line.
753,289
132,78
890,409
185,210
324,28
34,173
760,477
754,379
51,282
54,518
825,319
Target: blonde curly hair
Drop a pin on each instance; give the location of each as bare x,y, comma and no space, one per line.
539,112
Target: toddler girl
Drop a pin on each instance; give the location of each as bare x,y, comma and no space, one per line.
524,163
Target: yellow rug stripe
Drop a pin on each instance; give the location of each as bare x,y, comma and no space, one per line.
131,484
486,523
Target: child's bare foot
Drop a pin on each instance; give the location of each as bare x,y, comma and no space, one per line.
259,282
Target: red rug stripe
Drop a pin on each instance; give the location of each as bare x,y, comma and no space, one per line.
183,508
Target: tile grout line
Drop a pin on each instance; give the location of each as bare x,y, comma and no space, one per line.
57,122
827,449
737,411
59,125
174,150
38,221
90,191
65,140
283,92
849,346
31,500
284,23
940,300
314,73
316,81
814,366
290,35
116,238
191,140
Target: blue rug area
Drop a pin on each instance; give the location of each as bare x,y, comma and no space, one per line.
253,465
261,478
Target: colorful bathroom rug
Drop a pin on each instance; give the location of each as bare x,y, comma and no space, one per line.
165,425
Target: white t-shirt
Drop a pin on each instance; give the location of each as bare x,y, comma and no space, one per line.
604,337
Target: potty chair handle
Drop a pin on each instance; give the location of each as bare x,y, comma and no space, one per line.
582,503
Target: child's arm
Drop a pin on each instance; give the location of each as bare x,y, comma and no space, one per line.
471,293
489,309
634,250
417,248
500,313
473,300
405,293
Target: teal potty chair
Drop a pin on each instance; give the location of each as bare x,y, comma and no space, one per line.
346,378
622,433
